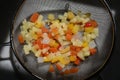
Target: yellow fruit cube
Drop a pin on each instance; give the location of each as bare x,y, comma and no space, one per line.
39,24
89,29
70,26
73,58
70,15
65,50
46,59
75,29
51,16
85,44
55,21
56,44
64,60
55,59
34,36
52,42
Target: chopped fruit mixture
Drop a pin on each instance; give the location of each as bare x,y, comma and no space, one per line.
61,40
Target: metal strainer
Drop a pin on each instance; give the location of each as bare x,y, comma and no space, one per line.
91,65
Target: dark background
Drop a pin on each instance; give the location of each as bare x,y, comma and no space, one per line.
111,70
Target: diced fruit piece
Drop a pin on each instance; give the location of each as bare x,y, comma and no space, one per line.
53,43
94,23
56,36
58,67
89,29
27,49
77,62
50,35
20,39
93,51
65,50
69,71
81,55
34,17
64,60
72,47
87,53
39,34
51,68
69,31
46,59
73,53
54,30
39,24
76,42
91,23
68,37
53,49
75,29
70,15
88,24
36,42
70,26
51,56
45,46
85,49
78,49
54,60
36,47
51,16
73,58
85,44
45,54
44,30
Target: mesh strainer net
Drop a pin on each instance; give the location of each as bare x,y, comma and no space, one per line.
104,42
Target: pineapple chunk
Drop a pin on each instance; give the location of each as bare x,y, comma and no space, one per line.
40,18
55,21
73,58
75,29
89,29
93,35
51,16
96,31
53,43
85,49
81,55
85,44
70,15
46,59
86,53
55,59
39,24
62,65
65,50
67,54
27,48
76,42
38,53
49,57
70,26
64,60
